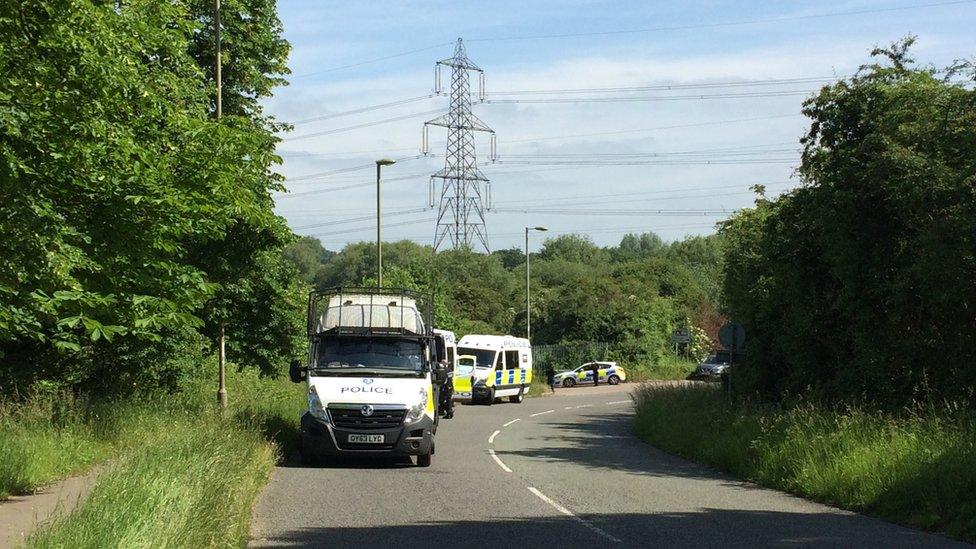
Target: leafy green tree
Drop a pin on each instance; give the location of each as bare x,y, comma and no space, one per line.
253,52
573,247
114,180
307,255
859,284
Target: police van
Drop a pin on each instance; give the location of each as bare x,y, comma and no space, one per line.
492,367
371,374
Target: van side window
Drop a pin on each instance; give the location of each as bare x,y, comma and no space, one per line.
512,360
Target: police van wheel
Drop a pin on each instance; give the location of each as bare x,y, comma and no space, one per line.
423,460
569,382
613,380
515,399
491,397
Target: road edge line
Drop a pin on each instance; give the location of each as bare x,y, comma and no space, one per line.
555,505
504,467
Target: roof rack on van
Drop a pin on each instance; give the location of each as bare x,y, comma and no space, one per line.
369,311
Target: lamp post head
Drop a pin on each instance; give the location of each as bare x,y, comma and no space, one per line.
385,162
543,229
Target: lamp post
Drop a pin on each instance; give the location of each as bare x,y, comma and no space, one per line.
528,318
379,243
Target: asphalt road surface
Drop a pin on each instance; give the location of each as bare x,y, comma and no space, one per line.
557,471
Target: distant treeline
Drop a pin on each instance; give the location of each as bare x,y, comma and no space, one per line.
631,296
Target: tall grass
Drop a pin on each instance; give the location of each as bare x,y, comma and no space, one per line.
43,439
917,468
191,485
666,368
179,472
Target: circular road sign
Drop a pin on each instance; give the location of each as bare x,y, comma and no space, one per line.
732,335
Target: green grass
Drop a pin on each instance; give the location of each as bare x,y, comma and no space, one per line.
667,368
178,472
915,468
539,387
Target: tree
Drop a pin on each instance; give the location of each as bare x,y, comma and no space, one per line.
307,255
572,247
859,284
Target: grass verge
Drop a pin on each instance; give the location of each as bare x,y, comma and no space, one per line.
182,474
917,468
667,368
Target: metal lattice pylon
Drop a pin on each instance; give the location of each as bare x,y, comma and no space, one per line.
465,193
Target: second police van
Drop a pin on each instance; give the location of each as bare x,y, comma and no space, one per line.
490,367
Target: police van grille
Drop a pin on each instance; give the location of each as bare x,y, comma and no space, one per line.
353,418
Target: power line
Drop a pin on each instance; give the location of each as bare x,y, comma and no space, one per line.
394,213
725,24
670,87
374,60
360,126
639,130
385,226
362,110
652,98
320,175
640,193
617,212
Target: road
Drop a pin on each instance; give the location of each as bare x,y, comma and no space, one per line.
561,470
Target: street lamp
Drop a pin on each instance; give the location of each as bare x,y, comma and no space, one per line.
379,243
528,320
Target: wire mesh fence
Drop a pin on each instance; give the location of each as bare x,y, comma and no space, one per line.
566,356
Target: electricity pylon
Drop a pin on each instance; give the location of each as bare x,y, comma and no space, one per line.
465,191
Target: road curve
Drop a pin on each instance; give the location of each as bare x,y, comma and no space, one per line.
563,470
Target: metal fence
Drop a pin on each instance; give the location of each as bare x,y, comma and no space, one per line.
566,356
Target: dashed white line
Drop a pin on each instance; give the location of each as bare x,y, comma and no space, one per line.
570,514
569,407
491,439
619,402
541,413
504,467
585,406
513,421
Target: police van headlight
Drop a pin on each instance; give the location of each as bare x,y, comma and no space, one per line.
415,412
315,406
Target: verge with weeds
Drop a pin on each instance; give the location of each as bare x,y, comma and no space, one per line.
179,472
917,468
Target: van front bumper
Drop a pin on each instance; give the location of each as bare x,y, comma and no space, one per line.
321,438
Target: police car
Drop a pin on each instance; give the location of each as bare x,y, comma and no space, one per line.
608,372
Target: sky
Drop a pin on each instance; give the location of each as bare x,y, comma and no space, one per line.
674,161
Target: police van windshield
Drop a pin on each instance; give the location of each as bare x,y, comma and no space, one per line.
484,358
357,352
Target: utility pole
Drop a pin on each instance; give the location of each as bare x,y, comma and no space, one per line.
528,310
222,355
379,241
465,193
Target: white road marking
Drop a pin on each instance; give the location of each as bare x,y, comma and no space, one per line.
570,514
541,413
569,407
491,439
513,421
498,461
619,402
585,406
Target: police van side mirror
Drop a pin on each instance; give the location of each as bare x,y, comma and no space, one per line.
296,372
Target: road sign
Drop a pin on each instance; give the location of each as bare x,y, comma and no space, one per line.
732,336
681,336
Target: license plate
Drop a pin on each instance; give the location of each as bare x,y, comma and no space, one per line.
367,439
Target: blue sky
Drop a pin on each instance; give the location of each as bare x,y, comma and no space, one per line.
678,43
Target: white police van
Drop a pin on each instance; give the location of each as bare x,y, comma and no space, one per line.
496,367
371,374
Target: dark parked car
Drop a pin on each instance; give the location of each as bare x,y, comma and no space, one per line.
713,367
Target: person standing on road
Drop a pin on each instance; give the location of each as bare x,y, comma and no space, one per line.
551,377
596,375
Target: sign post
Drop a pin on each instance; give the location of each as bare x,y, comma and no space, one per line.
733,337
